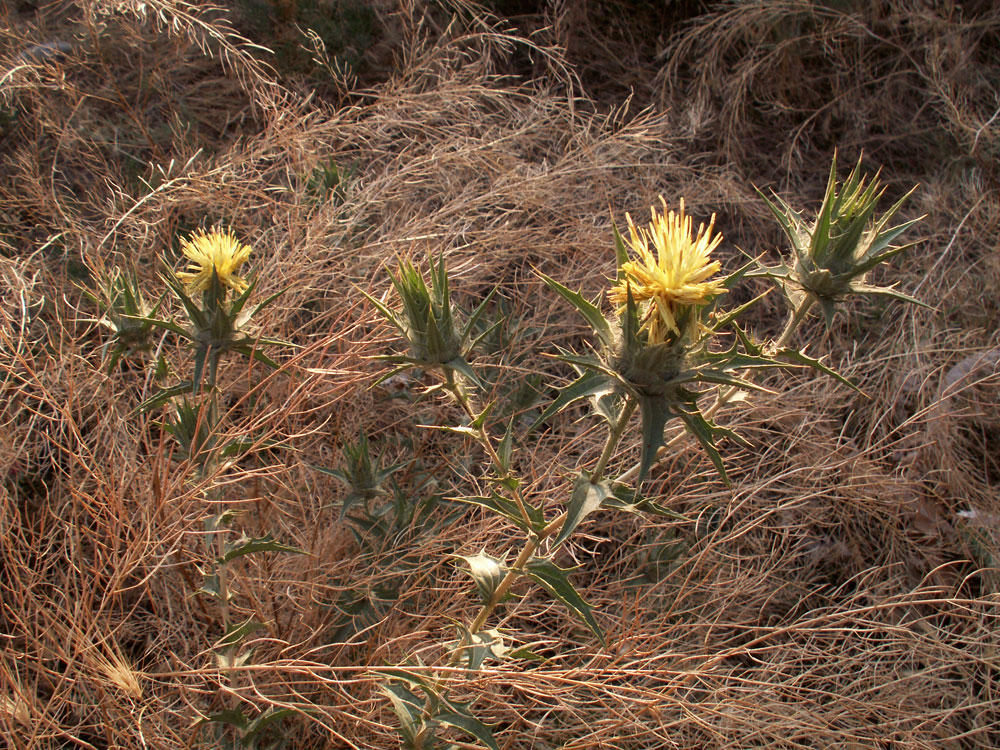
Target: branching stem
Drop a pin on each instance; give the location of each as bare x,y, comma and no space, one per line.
552,528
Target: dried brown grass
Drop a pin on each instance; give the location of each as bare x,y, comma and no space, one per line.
834,597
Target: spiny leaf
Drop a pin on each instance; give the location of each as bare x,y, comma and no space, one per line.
509,510
704,431
237,633
505,448
458,364
163,396
211,586
486,571
796,356
408,709
586,498
591,383
554,580
262,722
213,523
524,652
654,415
602,329
471,726
250,545
481,645
234,717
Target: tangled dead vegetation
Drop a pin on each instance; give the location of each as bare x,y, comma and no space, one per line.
843,593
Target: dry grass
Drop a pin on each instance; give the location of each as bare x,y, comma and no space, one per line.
842,594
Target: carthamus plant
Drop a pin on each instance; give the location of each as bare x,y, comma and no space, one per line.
126,313
831,256
216,318
666,349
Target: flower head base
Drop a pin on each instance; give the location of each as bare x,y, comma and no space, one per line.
675,278
430,322
214,253
831,256
126,312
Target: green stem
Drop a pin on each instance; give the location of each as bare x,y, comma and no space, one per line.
617,430
552,528
795,317
209,462
483,438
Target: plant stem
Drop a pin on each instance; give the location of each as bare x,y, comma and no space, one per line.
795,317
617,430
552,528
209,463
483,438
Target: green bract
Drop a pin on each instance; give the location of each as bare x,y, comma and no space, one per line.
125,312
832,256
362,476
216,326
665,378
429,321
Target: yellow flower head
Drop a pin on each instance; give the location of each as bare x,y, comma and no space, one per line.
215,251
676,277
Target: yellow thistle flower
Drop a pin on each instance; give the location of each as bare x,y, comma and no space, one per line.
676,277
215,251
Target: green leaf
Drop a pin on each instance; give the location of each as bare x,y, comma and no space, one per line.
554,580
234,717
591,383
386,313
704,431
414,679
262,722
586,498
471,726
486,643
654,416
621,253
164,324
408,708
461,366
480,419
470,324
486,571
524,652
198,367
796,356
250,545
602,329
267,301
162,397
787,219
252,352
211,586
505,448
237,633
888,291
509,510
213,523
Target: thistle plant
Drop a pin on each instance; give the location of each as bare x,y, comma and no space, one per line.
214,299
216,320
654,353
125,312
429,323
831,257
667,350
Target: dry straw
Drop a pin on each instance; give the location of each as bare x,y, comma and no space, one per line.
842,593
